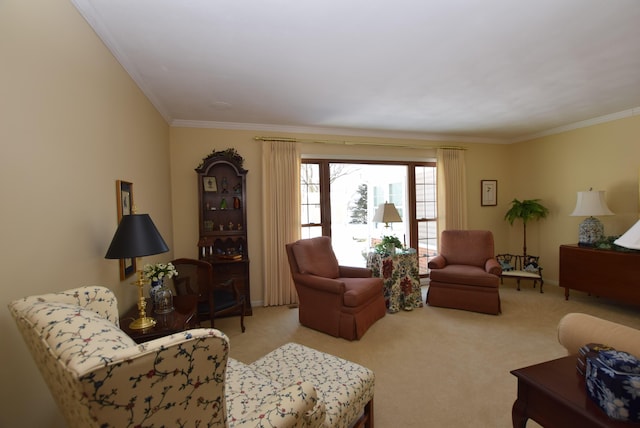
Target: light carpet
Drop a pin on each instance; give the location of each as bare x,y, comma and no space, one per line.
438,367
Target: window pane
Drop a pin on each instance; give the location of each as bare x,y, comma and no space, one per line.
311,232
426,192
310,193
427,243
356,191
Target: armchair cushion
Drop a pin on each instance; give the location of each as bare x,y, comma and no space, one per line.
316,257
359,291
462,274
298,401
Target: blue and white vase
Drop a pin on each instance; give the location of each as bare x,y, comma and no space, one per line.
155,285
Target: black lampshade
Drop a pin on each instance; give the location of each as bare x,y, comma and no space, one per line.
136,236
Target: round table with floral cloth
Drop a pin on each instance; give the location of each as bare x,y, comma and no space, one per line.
401,278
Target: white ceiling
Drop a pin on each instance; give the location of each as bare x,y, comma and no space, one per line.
466,70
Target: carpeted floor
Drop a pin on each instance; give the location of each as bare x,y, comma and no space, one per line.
439,367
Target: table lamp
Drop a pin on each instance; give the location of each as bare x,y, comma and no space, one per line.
136,237
631,238
387,213
590,204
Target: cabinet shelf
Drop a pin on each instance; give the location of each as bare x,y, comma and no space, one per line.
222,201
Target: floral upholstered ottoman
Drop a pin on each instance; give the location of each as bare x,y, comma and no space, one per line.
346,388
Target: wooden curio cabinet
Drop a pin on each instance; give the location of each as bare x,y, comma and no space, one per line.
223,218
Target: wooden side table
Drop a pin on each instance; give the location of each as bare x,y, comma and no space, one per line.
180,319
554,395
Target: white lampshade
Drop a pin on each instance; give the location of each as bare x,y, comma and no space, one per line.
387,213
591,203
631,238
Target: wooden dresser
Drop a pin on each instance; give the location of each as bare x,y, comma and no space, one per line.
604,273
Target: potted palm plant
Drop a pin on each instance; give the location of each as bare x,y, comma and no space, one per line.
526,210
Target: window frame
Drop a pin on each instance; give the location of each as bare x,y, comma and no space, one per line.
325,193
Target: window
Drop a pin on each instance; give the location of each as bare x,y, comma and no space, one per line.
339,198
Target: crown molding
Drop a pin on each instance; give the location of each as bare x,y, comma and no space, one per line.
582,124
332,131
401,135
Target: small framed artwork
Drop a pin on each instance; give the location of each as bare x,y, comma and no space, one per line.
210,184
124,191
488,193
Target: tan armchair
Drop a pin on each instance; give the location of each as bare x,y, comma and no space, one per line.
465,275
338,300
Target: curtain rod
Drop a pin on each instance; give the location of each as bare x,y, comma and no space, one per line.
355,143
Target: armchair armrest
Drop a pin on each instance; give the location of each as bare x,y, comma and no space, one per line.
327,285
186,368
438,262
291,407
576,330
354,272
493,267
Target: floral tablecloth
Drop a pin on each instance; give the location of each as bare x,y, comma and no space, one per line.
401,278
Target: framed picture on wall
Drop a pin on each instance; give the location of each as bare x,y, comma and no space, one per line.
488,193
124,191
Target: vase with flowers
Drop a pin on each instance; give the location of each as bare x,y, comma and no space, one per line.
161,295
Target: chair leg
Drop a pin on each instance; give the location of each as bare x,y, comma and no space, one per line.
244,306
366,420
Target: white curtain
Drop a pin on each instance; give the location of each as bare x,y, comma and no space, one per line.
452,190
281,218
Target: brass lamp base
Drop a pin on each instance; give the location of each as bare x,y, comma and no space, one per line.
143,320
142,323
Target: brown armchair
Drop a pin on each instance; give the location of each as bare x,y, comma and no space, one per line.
338,300
465,275
214,299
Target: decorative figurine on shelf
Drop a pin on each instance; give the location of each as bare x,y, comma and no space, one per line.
239,226
230,225
237,188
223,204
221,227
225,185
236,202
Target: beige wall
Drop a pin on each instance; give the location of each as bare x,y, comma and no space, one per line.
605,157
72,122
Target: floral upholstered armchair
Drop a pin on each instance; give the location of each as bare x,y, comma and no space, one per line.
100,377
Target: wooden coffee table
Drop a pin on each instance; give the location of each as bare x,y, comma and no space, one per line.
553,394
180,319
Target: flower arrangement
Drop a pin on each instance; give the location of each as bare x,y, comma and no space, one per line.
388,245
159,271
